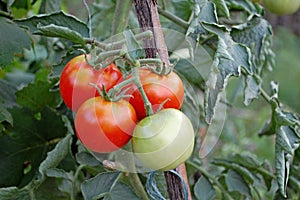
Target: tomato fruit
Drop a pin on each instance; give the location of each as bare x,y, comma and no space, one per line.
164,140
76,76
158,88
104,126
282,7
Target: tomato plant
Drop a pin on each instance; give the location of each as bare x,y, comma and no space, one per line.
76,76
282,7
104,126
164,140
160,89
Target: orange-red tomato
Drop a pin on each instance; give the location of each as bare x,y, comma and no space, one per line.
167,89
76,76
104,126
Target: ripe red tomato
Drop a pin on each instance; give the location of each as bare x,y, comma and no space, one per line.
76,76
104,126
158,89
164,140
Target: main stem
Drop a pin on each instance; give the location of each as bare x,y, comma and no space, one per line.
147,15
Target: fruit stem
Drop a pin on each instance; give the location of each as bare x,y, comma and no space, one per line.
138,83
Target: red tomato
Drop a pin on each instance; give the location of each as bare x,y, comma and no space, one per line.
76,76
158,89
103,126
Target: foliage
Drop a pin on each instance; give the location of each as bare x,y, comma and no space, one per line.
228,40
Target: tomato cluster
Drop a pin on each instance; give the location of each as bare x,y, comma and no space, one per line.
160,141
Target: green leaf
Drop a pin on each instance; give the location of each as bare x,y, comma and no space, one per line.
49,191
37,95
228,60
61,32
120,191
50,6
203,12
235,182
14,193
222,7
85,158
243,171
252,89
59,19
7,100
13,40
55,156
182,8
25,4
286,125
99,185
133,47
203,189
57,173
287,141
103,12
26,144
246,5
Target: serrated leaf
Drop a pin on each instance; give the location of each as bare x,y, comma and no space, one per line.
99,185
255,33
61,32
203,12
252,89
246,5
59,19
203,189
27,144
222,7
243,171
235,182
7,100
14,193
57,173
121,191
228,60
287,141
85,158
182,8
37,95
13,40
286,126
55,156
50,6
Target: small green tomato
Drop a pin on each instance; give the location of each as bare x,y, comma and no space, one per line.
282,7
164,140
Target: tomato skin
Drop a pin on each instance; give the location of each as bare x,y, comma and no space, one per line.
164,140
158,89
103,126
76,76
282,7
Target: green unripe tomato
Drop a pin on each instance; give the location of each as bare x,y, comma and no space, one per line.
164,140
282,7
